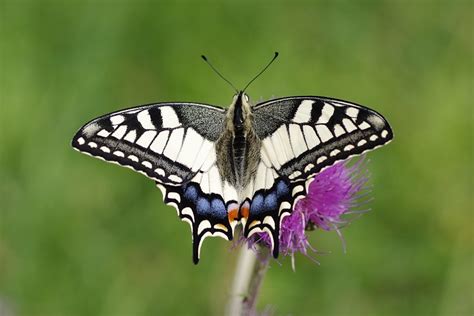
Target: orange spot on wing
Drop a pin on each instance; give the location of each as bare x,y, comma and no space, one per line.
244,211
233,214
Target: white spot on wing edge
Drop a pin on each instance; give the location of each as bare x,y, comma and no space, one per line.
362,142
348,147
175,178
174,196
220,227
294,175
105,149
269,221
147,164
203,225
284,206
117,119
81,141
160,172
321,159
188,212
297,189
334,152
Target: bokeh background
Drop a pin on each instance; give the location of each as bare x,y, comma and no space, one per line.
82,237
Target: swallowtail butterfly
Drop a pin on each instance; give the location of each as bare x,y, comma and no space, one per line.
246,164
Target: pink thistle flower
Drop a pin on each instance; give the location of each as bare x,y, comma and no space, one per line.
336,191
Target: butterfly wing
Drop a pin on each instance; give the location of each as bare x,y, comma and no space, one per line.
300,137
173,144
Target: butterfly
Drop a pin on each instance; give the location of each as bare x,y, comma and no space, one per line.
247,164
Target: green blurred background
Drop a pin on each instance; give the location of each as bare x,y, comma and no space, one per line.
82,237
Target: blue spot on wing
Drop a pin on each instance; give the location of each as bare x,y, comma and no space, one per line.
268,201
271,202
257,204
214,208
282,188
191,193
218,208
203,206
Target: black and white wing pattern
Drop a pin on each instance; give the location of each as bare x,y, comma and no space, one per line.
300,137
173,144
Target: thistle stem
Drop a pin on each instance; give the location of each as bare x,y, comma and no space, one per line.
248,277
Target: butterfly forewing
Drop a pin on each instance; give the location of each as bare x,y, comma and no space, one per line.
308,134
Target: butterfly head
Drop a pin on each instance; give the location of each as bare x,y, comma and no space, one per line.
240,109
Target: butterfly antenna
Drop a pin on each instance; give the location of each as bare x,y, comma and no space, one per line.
218,73
262,71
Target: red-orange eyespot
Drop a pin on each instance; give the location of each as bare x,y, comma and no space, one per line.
233,214
244,211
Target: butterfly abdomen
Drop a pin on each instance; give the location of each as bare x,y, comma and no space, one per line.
239,149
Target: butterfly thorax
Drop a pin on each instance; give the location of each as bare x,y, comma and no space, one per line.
238,147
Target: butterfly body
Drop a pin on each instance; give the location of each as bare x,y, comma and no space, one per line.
238,147
245,164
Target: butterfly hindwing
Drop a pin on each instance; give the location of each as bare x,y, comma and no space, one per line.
173,144
300,137
269,206
207,213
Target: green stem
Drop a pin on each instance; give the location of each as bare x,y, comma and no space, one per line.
249,274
